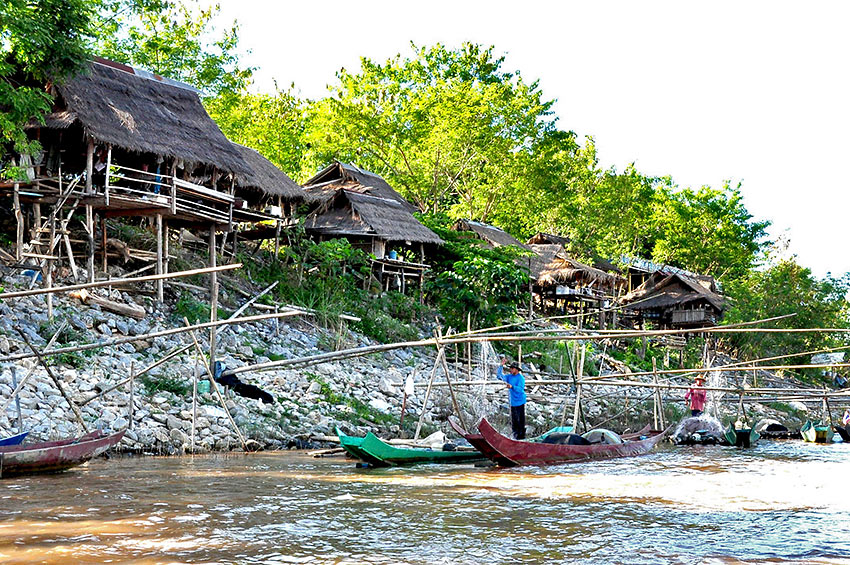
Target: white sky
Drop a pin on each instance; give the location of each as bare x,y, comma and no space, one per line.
755,92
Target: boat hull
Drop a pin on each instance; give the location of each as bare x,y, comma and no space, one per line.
56,456
741,438
530,453
394,455
813,433
478,442
352,445
14,440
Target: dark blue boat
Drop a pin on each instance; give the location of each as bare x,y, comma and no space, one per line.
14,440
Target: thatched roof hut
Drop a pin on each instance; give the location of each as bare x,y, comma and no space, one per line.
263,181
675,299
325,184
552,266
142,113
350,213
492,235
541,238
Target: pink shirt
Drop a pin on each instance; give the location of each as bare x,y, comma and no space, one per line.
697,399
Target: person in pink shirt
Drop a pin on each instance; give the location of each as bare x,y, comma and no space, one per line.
695,397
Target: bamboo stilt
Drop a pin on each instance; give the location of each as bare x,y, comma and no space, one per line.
213,296
132,407
17,388
440,352
159,266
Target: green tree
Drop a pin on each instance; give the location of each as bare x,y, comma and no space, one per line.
175,39
40,41
273,124
785,287
707,230
450,129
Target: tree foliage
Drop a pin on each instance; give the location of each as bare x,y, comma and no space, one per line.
451,129
785,287
175,39
40,41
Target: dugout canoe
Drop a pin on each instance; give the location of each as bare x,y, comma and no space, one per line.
54,456
521,452
745,437
351,444
14,440
478,442
816,433
390,454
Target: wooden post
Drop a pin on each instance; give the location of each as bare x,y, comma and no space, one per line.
48,273
530,292
452,393
19,219
106,183
656,401
103,241
213,296
132,408
159,269
17,398
277,229
90,237
36,214
174,186
165,246
195,401
579,371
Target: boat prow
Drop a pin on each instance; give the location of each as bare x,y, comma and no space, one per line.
55,456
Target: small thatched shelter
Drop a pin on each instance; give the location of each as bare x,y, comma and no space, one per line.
675,300
262,182
491,235
325,184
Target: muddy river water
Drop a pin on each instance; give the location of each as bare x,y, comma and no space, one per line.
777,502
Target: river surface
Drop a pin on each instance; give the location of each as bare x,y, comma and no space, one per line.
777,502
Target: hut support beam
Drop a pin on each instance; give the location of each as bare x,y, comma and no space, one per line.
19,220
103,241
159,265
213,296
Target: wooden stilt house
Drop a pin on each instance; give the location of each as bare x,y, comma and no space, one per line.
674,300
361,207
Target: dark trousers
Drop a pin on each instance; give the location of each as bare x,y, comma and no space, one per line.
518,421
696,413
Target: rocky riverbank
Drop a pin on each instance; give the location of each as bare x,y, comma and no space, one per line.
359,395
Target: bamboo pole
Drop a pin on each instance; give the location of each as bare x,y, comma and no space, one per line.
132,407
452,393
440,352
159,269
195,400
178,274
579,371
56,381
214,386
17,398
133,339
167,357
213,295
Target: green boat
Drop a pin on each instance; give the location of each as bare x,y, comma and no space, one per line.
744,437
352,445
389,454
816,433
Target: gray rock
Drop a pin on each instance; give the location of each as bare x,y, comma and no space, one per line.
104,329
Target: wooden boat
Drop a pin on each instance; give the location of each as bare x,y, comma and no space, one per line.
844,432
351,445
54,456
745,437
478,442
390,454
816,433
14,440
531,453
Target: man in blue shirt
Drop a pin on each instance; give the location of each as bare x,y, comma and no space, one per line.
515,382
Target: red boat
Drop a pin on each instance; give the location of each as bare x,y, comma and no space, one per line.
530,453
478,442
54,456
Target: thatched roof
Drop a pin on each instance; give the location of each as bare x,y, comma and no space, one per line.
325,184
541,238
662,291
264,177
551,265
143,113
496,237
647,266
357,214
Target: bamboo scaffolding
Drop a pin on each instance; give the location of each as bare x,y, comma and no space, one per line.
214,386
19,294
162,333
31,370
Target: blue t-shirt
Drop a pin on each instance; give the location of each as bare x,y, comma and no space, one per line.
517,390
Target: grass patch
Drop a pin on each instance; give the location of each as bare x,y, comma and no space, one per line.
359,409
174,385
